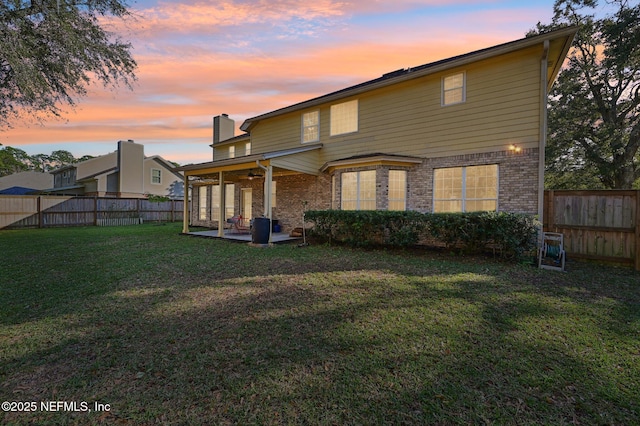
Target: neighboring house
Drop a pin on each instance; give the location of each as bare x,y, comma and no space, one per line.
461,134
22,183
125,173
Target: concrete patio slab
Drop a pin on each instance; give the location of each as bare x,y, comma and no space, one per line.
276,237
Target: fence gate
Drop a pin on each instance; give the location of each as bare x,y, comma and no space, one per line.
599,225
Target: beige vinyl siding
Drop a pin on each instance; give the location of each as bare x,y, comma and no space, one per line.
279,133
305,162
501,108
239,149
96,165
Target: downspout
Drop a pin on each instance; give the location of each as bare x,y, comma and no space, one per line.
268,177
544,97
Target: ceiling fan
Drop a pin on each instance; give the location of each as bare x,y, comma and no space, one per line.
252,175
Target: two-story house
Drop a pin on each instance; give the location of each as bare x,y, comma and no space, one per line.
125,173
465,133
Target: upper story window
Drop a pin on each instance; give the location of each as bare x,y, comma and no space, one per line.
232,151
454,89
156,176
344,118
311,127
466,189
247,148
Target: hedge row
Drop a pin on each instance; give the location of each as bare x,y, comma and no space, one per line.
512,234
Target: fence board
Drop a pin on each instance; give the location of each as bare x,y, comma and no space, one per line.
27,211
599,225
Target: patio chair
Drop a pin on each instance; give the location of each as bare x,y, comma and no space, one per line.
238,226
551,254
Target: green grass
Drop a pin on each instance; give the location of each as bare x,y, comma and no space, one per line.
169,329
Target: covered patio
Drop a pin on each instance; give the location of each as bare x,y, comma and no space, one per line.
243,175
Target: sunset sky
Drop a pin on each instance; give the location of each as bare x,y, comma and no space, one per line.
198,59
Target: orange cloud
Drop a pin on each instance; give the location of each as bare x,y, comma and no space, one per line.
198,59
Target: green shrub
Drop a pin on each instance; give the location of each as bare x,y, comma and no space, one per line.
512,234
364,228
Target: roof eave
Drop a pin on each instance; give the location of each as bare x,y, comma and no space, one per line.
248,158
372,159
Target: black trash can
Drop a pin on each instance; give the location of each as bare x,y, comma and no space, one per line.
260,230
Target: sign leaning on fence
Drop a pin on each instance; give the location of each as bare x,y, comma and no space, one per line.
598,225
27,211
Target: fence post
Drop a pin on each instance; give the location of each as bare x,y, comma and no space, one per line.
551,214
39,207
95,210
637,220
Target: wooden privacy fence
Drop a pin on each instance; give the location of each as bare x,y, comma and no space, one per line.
599,225
28,211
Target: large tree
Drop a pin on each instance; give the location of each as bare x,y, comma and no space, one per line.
52,50
12,160
594,107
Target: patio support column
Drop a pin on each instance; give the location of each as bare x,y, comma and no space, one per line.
268,209
185,206
221,213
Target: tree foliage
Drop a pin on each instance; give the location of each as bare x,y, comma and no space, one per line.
14,160
50,52
594,107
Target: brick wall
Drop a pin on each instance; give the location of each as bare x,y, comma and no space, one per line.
292,191
518,187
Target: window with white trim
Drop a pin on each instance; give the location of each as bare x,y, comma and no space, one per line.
465,189
232,151
311,127
229,201
202,196
358,190
454,89
156,176
397,190
334,202
344,118
215,202
273,193
247,148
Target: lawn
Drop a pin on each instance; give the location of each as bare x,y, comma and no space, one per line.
161,328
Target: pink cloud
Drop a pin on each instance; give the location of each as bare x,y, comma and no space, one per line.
211,18
235,65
